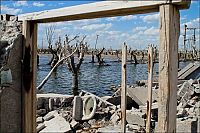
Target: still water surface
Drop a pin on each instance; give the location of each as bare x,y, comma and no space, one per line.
92,78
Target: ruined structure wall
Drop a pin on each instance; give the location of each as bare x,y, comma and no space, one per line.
10,94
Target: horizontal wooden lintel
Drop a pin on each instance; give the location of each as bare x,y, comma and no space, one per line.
100,10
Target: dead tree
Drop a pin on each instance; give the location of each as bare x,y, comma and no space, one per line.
57,52
92,57
117,54
72,66
55,66
49,36
99,59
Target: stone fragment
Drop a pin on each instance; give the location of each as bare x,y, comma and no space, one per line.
132,127
92,121
115,118
50,115
67,115
74,124
117,101
40,127
111,129
57,124
197,90
186,126
185,90
86,125
41,112
182,113
191,81
134,119
39,120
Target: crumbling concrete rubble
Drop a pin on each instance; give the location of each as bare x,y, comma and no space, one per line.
52,110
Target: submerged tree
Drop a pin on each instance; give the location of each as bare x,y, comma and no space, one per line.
99,58
49,32
60,56
72,66
60,61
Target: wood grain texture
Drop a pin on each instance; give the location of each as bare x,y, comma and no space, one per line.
123,88
150,80
168,67
99,10
29,77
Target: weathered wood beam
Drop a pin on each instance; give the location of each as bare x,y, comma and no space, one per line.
100,9
29,77
123,88
168,67
150,81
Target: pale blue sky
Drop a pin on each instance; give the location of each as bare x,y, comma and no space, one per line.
137,31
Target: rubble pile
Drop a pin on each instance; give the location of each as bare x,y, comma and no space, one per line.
55,113
188,113
91,114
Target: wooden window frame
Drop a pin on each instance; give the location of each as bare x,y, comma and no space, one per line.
169,16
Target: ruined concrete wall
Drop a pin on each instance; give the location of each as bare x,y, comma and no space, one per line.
10,93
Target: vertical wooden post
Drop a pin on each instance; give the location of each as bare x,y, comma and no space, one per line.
123,88
150,78
168,67
29,77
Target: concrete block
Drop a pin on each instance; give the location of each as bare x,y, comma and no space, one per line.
197,90
186,126
134,119
40,127
50,115
74,124
191,81
111,129
182,113
67,115
132,127
41,112
185,88
115,118
138,95
57,124
39,120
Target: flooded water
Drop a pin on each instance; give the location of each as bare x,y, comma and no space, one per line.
92,78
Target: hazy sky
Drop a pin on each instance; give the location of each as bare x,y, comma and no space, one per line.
138,31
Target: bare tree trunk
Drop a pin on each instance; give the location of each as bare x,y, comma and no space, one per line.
134,56
92,57
54,61
56,65
99,59
75,83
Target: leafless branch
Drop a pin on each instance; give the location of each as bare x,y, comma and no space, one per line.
50,33
56,65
